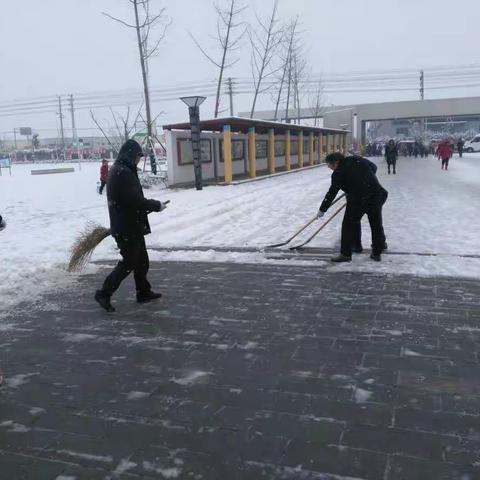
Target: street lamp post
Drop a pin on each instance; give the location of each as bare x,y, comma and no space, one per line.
193,104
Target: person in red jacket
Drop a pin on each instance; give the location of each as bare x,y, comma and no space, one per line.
444,152
103,175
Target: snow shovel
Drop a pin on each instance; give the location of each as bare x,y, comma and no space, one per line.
296,247
302,229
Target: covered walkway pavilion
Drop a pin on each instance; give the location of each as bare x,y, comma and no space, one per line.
265,148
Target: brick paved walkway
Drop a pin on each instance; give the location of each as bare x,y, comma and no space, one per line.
246,372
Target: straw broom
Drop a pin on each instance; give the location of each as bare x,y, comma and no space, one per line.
85,244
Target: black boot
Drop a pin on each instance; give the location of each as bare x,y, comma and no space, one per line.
376,257
147,296
341,258
104,301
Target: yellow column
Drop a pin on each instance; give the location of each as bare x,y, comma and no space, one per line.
311,149
271,150
320,147
288,151
327,143
300,149
332,143
252,153
227,153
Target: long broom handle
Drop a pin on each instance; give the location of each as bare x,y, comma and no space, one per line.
298,232
321,227
312,220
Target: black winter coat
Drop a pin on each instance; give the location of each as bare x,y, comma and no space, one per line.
127,206
356,177
391,153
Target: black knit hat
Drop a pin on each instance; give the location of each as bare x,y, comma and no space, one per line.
130,149
334,157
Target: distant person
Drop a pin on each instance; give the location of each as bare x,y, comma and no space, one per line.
460,145
3,223
364,194
410,149
103,175
444,153
416,149
128,210
391,155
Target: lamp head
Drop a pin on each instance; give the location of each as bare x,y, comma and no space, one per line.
193,101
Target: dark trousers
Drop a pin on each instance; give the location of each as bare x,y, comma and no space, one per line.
460,152
102,186
351,224
134,258
445,163
391,163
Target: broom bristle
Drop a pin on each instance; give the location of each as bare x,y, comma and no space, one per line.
85,244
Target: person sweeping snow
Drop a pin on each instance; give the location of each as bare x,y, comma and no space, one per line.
128,210
364,194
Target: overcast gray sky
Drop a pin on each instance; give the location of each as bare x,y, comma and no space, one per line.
52,47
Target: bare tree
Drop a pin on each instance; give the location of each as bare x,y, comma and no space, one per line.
297,74
123,128
145,24
264,41
288,42
227,39
317,102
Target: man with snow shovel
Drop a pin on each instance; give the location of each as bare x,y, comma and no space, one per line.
128,210
355,176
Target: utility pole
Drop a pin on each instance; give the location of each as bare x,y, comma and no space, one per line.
74,131
60,114
230,94
421,85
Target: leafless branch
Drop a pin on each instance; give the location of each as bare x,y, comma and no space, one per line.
226,26
264,43
115,149
119,20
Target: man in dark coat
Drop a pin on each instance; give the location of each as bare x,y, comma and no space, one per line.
460,145
128,210
391,154
355,176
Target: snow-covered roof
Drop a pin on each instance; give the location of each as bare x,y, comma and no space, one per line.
242,124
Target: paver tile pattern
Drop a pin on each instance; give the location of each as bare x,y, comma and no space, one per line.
245,372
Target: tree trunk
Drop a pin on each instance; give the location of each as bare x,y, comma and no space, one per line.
145,89
287,118
225,49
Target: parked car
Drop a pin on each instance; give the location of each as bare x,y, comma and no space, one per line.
472,145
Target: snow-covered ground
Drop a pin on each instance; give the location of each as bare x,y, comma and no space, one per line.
429,210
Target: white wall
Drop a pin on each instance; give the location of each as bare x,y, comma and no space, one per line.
178,174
